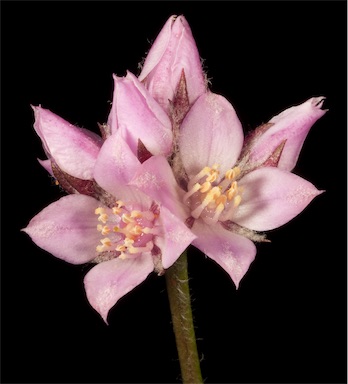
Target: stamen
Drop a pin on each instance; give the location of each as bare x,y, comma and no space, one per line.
205,187
126,218
106,241
211,195
191,191
105,230
218,211
99,211
212,174
237,200
232,173
130,232
232,191
103,218
147,248
213,202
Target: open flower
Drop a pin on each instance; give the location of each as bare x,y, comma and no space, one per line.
232,193
106,220
173,53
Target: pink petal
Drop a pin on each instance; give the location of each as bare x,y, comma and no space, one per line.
107,282
138,116
47,165
74,149
175,239
271,197
210,133
174,50
67,228
291,125
234,253
115,164
156,179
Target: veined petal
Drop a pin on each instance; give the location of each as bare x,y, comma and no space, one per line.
173,51
74,149
211,133
115,165
138,116
234,253
67,228
175,239
291,125
156,179
107,282
271,197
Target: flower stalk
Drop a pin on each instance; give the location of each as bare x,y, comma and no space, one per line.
180,307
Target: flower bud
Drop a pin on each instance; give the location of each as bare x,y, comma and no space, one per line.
173,51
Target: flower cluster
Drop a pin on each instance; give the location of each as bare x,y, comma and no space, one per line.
170,168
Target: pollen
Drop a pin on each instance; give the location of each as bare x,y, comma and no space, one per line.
213,200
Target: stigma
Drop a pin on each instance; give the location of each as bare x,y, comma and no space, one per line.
125,232
213,200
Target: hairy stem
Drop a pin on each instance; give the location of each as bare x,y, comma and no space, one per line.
180,307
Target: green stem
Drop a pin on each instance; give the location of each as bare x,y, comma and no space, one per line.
180,307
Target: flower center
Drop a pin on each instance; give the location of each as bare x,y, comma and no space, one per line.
126,233
212,201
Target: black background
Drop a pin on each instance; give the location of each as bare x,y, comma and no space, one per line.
287,321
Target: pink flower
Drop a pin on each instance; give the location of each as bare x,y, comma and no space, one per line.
234,192
106,220
173,53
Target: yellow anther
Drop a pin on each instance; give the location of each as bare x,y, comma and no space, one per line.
232,173
221,200
105,230
122,256
126,218
213,194
119,203
99,211
106,242
100,248
205,187
212,177
136,230
128,242
237,200
232,191
206,171
148,230
116,210
103,218
99,227
121,248
116,228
